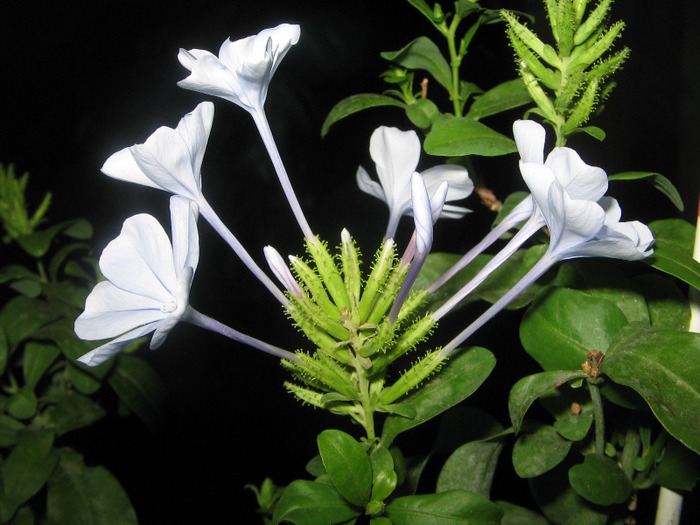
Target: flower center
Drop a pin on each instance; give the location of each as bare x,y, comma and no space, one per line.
169,308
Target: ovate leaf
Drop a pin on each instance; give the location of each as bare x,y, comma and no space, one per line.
312,503
423,54
456,137
657,180
347,464
455,507
600,480
508,95
356,103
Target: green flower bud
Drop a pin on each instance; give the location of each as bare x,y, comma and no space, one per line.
328,271
350,263
382,267
584,56
413,377
583,109
592,23
531,40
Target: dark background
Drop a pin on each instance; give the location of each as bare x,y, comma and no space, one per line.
82,80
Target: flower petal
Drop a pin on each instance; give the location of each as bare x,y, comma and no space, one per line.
422,214
460,185
396,155
185,236
208,74
122,166
100,354
194,128
140,259
580,180
368,185
529,138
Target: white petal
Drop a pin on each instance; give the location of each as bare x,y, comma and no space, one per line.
396,155
185,236
110,311
100,354
580,180
140,259
529,138
613,212
460,185
209,75
538,178
122,165
422,214
368,185
437,200
450,211
194,128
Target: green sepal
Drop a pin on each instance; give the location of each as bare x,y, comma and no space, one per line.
565,27
413,377
544,103
328,271
388,294
414,334
383,264
531,40
350,264
584,56
313,282
583,109
592,23
322,370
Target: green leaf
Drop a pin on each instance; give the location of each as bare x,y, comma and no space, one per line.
25,470
23,404
673,261
657,180
347,465
80,495
356,103
422,113
529,388
4,350
422,53
516,515
384,476
140,388
679,467
38,243
561,325
311,503
452,507
463,373
84,382
663,367
38,358
9,427
21,316
471,467
676,232
537,452
600,480
456,137
70,411
423,7
668,306
507,95
79,229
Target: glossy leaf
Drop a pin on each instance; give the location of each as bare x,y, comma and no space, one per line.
140,388
537,452
70,411
38,358
459,378
657,180
600,480
456,137
81,495
561,325
530,388
452,507
356,103
507,95
21,316
676,232
516,515
312,503
668,306
347,464
663,367
422,113
673,250
423,54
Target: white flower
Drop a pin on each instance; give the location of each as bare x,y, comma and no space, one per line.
148,282
243,70
395,154
170,159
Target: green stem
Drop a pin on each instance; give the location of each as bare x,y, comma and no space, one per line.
630,451
365,407
455,62
598,417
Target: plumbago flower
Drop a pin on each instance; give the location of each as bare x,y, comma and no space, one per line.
577,227
242,72
148,282
171,160
395,154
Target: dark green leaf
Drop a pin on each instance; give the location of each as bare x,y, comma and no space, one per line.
456,137
140,388
422,113
4,350
529,388
659,182
79,229
508,95
560,503
27,287
676,232
21,316
70,411
516,515
38,243
38,358
422,53
463,373
668,306
471,467
536,453
347,464
9,428
592,131
311,503
22,404
561,325
384,476
452,507
80,495
354,104
25,470
679,467
600,480
573,410
663,367
671,260
24,516
423,7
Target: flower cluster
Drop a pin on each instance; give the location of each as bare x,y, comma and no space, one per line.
360,325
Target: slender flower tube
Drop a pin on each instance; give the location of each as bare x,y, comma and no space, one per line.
581,181
171,160
578,228
395,154
241,74
148,282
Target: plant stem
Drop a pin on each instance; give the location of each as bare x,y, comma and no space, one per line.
598,417
455,62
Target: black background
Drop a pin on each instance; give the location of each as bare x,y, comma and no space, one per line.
81,80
